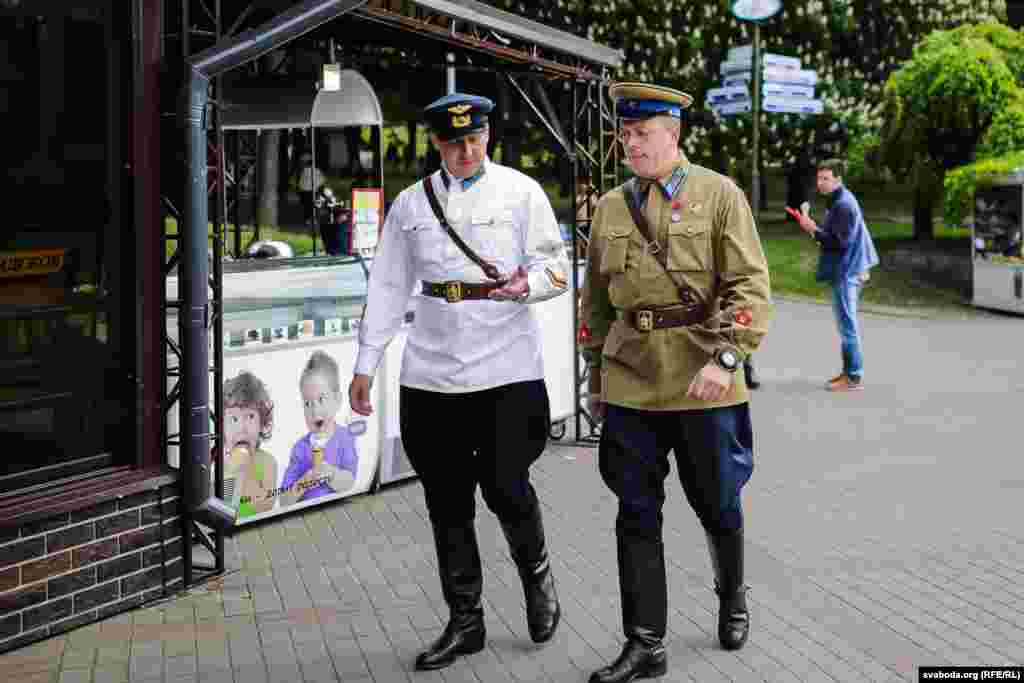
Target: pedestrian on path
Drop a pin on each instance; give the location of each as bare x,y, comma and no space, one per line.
473,406
847,256
676,294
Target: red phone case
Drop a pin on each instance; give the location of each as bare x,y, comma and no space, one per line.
794,213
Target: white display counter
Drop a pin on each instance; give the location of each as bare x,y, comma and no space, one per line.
277,315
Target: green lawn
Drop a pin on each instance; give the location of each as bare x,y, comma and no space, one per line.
793,258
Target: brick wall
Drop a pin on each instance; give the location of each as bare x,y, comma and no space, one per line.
66,571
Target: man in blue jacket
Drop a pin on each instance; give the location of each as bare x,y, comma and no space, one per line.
847,254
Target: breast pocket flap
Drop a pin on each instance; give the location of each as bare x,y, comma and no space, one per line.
689,246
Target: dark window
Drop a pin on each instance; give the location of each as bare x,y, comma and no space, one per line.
64,362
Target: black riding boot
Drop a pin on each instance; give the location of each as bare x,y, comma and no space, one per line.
733,617
644,594
461,584
526,542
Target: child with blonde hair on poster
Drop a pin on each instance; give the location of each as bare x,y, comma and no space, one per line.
324,461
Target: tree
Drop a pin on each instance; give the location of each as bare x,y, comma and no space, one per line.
940,105
853,45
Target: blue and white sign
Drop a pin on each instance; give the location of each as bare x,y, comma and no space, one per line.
732,108
771,74
744,54
792,105
728,93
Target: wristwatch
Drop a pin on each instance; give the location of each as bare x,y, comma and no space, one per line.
727,360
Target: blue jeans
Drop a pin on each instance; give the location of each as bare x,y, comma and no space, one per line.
845,293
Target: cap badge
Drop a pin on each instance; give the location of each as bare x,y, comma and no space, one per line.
461,121
460,108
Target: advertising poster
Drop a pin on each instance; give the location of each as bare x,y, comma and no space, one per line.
367,215
290,439
394,464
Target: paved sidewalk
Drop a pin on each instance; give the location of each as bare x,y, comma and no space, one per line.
884,533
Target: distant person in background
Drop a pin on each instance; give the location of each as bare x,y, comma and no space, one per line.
847,256
753,382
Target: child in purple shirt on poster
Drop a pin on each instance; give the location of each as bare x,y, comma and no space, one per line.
324,461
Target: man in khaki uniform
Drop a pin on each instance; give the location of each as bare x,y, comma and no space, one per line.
676,296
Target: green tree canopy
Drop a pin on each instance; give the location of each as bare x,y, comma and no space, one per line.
959,99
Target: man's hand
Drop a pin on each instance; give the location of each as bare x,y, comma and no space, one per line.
710,384
807,225
514,288
359,394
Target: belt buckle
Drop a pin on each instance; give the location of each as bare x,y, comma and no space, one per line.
645,321
453,292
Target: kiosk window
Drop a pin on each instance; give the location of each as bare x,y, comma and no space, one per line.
64,395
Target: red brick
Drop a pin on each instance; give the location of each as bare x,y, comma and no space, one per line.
46,567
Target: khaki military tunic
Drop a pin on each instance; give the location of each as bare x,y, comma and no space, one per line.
714,249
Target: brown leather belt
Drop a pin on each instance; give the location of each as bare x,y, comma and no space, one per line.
647,319
453,292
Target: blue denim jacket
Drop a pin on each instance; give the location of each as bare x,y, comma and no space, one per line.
846,246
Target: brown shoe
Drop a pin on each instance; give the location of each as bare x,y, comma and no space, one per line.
845,383
834,380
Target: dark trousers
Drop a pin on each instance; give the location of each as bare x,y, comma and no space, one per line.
487,438
714,454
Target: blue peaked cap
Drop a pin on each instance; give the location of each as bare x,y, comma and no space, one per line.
643,109
458,114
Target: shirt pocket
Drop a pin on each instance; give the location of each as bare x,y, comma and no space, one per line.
426,240
689,246
496,238
616,249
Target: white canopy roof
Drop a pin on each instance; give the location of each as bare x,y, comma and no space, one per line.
262,107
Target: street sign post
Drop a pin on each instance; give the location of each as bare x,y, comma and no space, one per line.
756,12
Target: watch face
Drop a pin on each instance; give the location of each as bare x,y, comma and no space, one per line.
728,359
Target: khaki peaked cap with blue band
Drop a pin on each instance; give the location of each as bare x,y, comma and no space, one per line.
457,115
643,100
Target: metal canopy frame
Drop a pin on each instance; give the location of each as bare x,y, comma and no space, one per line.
585,136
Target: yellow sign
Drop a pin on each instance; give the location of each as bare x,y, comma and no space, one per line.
31,263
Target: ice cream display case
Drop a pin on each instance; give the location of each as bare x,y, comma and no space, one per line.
289,342
290,339
996,255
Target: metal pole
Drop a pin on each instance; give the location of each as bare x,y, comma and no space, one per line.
450,73
755,191
316,214
575,274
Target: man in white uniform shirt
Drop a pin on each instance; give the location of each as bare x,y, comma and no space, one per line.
473,404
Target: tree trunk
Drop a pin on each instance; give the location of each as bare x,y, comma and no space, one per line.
410,149
799,181
270,173
270,159
511,148
923,206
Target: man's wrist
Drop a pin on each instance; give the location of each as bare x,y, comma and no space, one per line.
727,358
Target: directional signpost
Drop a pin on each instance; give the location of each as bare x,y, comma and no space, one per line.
787,87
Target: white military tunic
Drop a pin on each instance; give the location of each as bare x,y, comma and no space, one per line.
506,218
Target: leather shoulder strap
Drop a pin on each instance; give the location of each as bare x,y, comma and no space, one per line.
631,192
490,270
